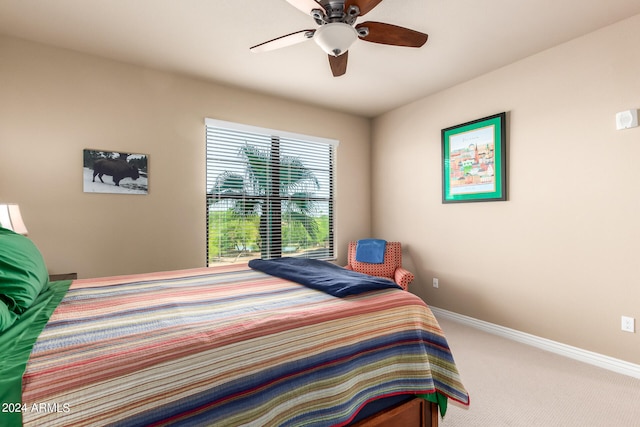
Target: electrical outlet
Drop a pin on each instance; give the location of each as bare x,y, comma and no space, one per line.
435,282
628,324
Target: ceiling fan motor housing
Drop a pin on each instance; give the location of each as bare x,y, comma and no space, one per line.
334,11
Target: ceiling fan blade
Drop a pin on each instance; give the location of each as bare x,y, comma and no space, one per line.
380,32
365,6
338,64
284,41
306,6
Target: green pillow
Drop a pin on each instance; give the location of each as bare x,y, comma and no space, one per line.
7,317
23,273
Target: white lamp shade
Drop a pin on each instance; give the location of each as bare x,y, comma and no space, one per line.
335,38
11,219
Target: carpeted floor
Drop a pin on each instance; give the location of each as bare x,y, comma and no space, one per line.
513,384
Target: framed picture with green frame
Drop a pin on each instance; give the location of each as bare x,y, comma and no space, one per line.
474,161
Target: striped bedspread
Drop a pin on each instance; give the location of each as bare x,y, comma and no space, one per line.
229,346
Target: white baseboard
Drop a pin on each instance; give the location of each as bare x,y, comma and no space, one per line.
600,360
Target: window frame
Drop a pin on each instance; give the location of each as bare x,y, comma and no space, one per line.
275,243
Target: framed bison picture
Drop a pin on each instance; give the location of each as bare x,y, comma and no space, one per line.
115,172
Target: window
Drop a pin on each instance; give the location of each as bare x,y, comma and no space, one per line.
269,194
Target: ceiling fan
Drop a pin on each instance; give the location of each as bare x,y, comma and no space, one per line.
337,30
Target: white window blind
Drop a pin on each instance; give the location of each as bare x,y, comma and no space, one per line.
269,194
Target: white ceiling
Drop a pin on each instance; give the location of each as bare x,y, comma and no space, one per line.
210,39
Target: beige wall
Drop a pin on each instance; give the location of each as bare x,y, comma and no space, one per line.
55,103
560,258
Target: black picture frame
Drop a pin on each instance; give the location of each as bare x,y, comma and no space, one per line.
115,172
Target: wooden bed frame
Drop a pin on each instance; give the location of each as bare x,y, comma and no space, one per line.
415,413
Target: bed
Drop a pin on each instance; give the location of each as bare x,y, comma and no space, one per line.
223,346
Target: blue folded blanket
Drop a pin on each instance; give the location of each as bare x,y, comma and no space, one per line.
322,275
371,250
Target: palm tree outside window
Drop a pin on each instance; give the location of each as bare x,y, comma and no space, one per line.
269,194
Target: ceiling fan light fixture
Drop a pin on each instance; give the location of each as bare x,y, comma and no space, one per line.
335,38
